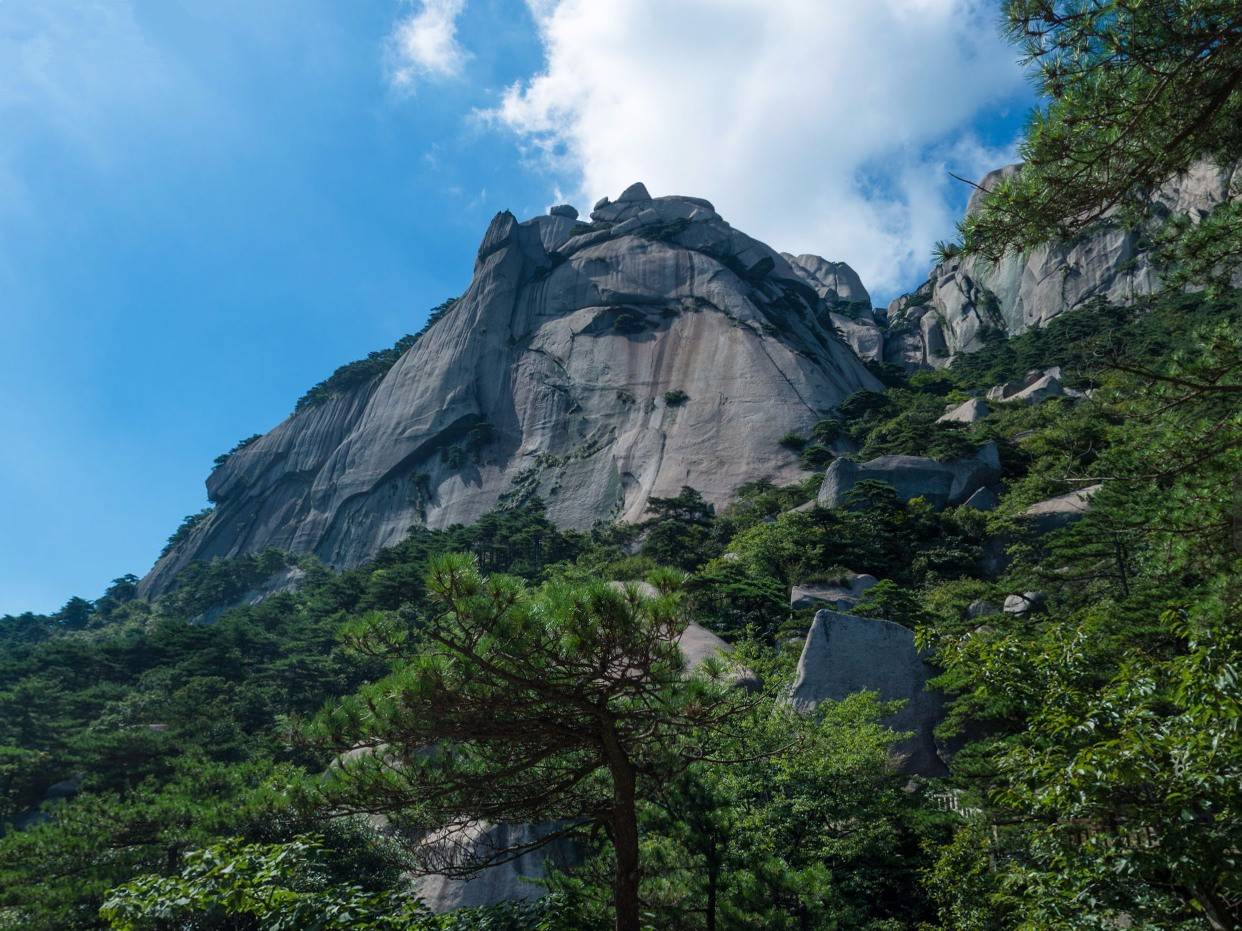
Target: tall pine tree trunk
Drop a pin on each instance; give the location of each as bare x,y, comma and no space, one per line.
624,829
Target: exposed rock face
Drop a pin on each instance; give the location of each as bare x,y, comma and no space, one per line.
965,298
971,411
547,378
848,303
840,596
941,483
845,654
1053,513
514,881
1035,388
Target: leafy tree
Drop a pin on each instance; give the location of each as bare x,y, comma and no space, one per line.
563,703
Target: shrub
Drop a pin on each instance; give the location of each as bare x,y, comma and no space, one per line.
793,441
676,397
816,456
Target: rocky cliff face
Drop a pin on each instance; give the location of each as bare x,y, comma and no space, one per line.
964,298
590,365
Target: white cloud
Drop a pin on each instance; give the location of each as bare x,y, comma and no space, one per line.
424,43
817,125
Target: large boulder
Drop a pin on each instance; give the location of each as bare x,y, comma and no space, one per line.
512,881
840,595
940,483
1053,513
971,411
844,654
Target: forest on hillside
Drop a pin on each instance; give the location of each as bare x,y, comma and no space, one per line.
197,761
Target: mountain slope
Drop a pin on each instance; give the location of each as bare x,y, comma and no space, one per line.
591,365
965,298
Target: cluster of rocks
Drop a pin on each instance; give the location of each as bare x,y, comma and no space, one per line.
1034,388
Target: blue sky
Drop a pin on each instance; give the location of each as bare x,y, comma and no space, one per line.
207,206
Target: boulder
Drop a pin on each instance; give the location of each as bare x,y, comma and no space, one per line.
982,500
970,411
696,642
635,192
839,595
514,881
564,210
1025,603
844,654
940,483
1054,513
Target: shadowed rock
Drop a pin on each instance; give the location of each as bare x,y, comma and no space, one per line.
940,483
844,654
837,595
1053,513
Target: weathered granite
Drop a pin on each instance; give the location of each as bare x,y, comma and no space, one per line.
837,595
512,881
940,483
965,298
971,411
1024,603
1053,513
547,378
844,654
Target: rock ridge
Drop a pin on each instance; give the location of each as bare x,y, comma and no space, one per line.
591,365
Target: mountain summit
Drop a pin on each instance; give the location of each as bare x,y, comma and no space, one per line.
591,365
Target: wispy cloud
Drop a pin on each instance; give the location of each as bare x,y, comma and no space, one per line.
825,127
424,43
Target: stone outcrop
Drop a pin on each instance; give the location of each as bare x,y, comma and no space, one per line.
940,483
513,881
547,379
1035,388
840,595
971,411
965,298
1054,513
1024,603
844,654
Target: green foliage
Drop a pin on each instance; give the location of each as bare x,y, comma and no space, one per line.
241,444
1135,93
183,532
815,457
376,364
506,703
265,887
943,251
676,397
813,831
793,441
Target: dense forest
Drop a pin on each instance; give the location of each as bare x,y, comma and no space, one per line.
211,759
1100,780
